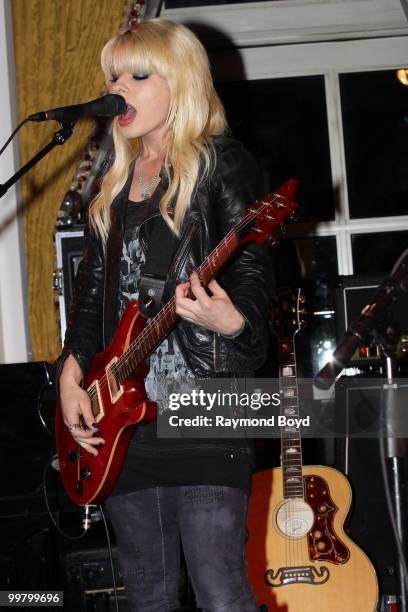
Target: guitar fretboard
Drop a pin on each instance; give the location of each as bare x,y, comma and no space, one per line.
167,318
291,446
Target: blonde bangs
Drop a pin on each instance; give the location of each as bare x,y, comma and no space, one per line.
134,53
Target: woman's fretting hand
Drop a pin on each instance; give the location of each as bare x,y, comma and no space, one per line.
215,312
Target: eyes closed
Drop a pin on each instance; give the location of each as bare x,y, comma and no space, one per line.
137,77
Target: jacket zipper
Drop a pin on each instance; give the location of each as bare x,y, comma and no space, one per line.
177,264
142,242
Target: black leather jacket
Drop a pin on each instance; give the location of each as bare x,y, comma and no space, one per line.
218,204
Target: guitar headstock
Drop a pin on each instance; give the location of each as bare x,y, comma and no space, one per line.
289,312
266,214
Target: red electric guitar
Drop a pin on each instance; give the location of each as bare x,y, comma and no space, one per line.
115,383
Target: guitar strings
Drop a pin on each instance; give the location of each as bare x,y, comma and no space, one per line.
297,549
203,268
230,237
146,336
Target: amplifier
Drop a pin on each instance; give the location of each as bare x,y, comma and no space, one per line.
88,583
68,246
357,407
352,294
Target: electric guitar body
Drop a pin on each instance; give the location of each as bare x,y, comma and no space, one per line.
116,406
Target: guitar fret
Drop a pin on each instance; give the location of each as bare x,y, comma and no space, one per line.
291,456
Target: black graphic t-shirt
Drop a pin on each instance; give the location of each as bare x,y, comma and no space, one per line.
166,362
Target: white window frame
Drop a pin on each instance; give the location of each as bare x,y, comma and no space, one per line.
362,21
14,335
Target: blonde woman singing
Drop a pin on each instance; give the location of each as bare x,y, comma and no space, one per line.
173,162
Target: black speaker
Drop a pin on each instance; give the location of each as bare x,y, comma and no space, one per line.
88,583
358,408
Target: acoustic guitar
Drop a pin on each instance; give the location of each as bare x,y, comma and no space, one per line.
299,556
115,383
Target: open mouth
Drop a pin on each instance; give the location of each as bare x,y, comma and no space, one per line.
129,113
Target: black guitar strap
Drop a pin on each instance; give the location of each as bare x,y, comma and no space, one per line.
162,244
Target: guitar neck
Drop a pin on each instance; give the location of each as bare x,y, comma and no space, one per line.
166,319
291,443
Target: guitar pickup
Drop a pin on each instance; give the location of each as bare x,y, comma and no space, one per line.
114,383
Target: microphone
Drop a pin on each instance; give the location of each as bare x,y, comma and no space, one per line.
390,289
106,106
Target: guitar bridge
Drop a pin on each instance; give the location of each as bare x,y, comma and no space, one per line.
96,400
294,575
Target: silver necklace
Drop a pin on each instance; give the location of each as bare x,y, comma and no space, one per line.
146,189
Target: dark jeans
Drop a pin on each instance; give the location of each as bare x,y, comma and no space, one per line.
211,521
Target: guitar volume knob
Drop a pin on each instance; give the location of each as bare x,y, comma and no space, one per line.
85,473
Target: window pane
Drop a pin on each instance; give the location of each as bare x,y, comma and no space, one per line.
377,253
284,123
311,263
375,125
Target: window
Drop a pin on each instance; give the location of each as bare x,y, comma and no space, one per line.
375,126
284,123
377,253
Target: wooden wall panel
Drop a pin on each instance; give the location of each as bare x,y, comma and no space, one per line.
57,46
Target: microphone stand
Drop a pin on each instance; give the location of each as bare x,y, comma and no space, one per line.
59,138
375,318
394,452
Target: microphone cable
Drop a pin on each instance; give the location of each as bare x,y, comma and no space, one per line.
115,588
51,515
86,523
20,125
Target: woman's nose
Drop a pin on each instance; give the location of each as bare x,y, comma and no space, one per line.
118,87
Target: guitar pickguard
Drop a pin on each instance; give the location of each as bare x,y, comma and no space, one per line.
324,544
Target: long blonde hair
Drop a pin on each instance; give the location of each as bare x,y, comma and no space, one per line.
173,52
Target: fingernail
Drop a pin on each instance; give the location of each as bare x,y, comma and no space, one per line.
95,425
95,434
